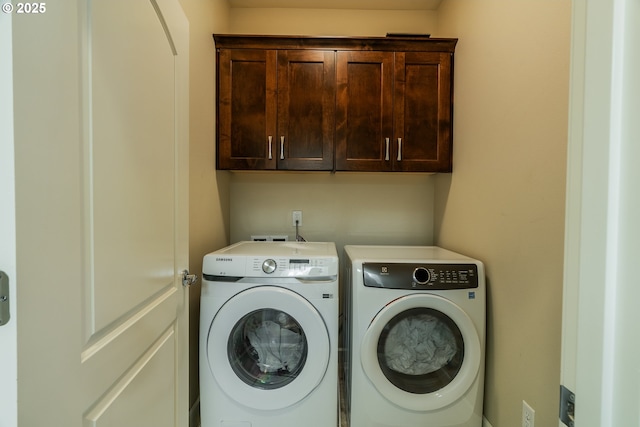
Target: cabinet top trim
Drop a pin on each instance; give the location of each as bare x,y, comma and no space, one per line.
417,44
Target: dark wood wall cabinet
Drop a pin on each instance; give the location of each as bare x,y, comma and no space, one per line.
334,103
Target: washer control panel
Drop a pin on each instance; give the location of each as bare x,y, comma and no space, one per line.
301,260
269,266
290,267
272,267
426,276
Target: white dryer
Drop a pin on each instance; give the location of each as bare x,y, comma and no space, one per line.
269,335
414,338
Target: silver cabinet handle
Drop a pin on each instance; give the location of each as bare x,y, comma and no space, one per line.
399,149
282,148
386,151
270,155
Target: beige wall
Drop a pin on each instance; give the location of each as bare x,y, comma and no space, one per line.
331,22
342,207
504,202
345,208
208,190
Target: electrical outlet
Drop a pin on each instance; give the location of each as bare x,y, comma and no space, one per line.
296,216
528,415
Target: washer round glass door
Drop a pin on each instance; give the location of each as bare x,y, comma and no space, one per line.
268,347
421,352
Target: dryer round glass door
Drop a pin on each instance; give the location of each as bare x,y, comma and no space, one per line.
268,347
421,352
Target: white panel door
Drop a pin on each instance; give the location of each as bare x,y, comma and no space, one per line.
101,172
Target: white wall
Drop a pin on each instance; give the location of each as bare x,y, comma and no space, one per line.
504,202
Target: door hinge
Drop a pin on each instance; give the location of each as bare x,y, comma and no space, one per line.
567,406
5,315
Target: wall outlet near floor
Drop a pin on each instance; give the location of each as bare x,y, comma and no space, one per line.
296,217
528,415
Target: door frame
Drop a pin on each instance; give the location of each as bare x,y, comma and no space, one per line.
8,332
601,236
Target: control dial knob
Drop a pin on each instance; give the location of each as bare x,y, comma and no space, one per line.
421,275
269,266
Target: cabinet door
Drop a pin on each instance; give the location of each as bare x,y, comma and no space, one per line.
364,110
306,109
423,112
246,109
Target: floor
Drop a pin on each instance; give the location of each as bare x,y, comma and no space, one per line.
343,421
343,413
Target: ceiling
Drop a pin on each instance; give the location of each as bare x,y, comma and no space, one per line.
339,4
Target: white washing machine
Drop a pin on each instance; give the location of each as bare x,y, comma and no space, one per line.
415,337
269,335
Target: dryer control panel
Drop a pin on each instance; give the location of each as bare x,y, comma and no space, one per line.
420,276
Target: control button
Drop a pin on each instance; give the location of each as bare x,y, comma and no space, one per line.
421,275
269,266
